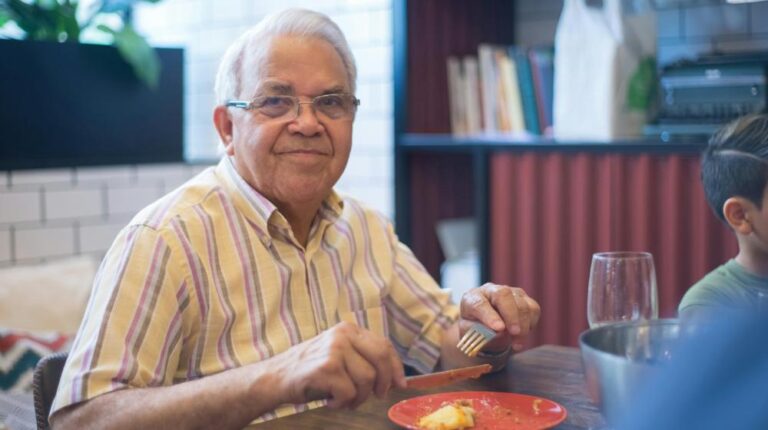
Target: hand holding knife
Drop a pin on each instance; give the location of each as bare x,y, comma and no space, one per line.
438,379
431,380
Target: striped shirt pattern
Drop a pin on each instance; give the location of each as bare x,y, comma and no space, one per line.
210,277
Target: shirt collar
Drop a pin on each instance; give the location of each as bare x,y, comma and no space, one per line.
262,213
746,276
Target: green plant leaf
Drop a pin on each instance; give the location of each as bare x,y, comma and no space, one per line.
23,15
47,4
44,19
137,52
66,22
112,6
4,18
57,20
642,85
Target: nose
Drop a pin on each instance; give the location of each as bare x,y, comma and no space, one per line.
306,121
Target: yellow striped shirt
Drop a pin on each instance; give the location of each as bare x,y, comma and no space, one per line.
210,277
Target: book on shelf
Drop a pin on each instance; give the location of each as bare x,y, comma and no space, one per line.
504,90
527,93
464,95
471,86
510,108
456,94
542,61
488,84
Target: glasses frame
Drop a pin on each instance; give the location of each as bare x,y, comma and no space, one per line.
251,105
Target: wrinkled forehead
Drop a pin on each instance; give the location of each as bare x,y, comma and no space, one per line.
260,68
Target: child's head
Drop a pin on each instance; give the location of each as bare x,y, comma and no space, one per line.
734,166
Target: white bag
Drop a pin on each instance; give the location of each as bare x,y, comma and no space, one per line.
604,71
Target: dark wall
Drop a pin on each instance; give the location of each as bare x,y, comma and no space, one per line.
72,104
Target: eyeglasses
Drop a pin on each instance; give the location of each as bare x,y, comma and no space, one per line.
332,106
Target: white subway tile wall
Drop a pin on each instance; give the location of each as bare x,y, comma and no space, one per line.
41,241
668,24
95,239
112,175
5,247
20,206
73,204
717,21
165,174
79,212
128,200
46,176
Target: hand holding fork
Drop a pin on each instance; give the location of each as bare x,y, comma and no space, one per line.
496,316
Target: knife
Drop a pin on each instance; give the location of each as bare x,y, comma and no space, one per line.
430,380
438,379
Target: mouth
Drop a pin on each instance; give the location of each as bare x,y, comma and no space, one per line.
305,150
305,157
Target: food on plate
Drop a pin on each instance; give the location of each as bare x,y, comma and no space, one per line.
457,415
536,409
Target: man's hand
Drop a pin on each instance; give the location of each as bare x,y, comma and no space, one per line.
344,364
507,310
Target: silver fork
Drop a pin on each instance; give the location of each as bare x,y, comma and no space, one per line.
475,339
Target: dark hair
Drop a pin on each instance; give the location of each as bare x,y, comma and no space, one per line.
735,162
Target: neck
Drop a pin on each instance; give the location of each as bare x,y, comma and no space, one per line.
300,217
755,263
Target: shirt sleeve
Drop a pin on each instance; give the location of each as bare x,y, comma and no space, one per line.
131,331
419,312
712,292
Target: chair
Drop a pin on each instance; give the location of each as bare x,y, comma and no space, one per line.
45,382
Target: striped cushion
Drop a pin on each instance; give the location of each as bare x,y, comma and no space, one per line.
19,353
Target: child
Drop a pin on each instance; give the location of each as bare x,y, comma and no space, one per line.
734,172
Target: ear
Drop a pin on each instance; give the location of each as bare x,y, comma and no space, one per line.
223,122
738,212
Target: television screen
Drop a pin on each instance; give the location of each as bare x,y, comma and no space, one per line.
71,104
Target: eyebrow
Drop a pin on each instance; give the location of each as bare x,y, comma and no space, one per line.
279,88
275,88
338,89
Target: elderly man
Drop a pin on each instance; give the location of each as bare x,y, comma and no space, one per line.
254,290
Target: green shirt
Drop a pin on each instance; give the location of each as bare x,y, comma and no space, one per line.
729,286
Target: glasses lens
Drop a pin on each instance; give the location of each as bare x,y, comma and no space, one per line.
275,106
335,106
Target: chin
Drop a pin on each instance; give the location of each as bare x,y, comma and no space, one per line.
306,192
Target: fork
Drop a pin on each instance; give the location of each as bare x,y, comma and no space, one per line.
475,339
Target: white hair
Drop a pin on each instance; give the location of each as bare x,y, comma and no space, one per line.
289,22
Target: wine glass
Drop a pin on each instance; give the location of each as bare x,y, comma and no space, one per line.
622,287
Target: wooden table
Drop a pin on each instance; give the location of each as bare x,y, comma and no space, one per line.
549,371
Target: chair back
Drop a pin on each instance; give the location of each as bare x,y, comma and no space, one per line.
44,385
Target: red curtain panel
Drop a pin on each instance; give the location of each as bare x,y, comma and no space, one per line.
551,211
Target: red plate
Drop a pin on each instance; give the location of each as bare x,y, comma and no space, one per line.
492,410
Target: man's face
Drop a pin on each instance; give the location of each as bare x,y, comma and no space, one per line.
293,162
